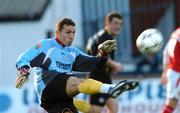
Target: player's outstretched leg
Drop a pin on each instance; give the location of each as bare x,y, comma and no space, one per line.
91,86
76,85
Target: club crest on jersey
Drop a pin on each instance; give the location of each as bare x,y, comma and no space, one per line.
68,58
73,54
38,45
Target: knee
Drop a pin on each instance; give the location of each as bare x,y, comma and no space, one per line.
72,85
95,109
172,102
112,105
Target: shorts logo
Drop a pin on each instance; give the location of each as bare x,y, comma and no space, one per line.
101,100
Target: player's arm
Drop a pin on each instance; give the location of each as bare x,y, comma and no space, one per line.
171,49
163,79
115,66
23,64
86,62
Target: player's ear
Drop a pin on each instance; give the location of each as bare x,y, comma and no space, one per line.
57,32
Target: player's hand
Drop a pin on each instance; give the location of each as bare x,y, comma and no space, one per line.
117,67
107,46
163,78
22,77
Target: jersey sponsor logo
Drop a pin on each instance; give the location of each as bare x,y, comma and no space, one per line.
63,66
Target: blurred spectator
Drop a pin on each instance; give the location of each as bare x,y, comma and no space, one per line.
113,25
49,34
147,64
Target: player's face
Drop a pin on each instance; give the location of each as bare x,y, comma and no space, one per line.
115,26
67,34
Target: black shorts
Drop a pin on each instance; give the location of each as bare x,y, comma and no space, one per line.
54,98
99,99
101,76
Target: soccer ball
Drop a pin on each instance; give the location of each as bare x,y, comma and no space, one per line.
149,41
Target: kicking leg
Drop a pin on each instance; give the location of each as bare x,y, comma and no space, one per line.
90,86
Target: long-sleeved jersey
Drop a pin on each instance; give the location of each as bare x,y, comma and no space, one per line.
172,51
49,55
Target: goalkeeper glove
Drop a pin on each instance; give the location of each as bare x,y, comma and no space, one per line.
22,77
107,46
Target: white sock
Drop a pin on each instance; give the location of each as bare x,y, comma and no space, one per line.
106,87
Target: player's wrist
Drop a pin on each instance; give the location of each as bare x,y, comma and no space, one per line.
101,53
24,70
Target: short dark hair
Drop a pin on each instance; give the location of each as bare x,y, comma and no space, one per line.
64,21
112,15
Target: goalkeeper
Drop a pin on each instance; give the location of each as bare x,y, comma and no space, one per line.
53,59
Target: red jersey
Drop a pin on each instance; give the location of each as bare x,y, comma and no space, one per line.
173,49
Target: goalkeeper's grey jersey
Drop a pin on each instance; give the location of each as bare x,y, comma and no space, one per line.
49,55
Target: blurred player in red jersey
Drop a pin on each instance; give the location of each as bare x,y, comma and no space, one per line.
171,71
